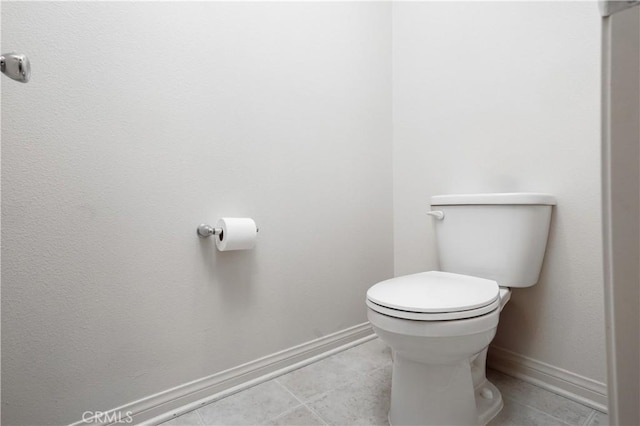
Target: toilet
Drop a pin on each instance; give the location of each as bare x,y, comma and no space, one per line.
439,324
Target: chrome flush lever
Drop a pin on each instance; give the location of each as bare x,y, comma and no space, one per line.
438,214
16,66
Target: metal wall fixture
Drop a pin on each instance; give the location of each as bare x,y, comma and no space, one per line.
16,66
205,231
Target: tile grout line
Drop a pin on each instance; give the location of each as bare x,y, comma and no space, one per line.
323,394
199,417
590,418
283,387
551,415
204,423
285,412
315,413
302,403
535,409
306,403
360,375
592,413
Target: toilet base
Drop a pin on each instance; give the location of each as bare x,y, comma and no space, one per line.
488,401
488,397
410,378
432,394
438,373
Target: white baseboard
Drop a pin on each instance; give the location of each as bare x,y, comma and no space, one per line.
562,382
171,403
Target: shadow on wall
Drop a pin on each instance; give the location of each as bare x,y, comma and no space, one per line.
519,309
232,272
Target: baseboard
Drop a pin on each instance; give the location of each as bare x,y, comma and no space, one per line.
173,402
562,382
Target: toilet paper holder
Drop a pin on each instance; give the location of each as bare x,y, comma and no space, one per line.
205,231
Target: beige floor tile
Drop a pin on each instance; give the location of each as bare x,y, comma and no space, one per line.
515,414
253,406
367,357
557,406
300,416
359,403
599,419
188,419
353,388
322,376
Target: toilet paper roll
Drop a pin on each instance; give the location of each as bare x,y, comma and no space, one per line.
238,233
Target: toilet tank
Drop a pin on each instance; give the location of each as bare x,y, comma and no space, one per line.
502,237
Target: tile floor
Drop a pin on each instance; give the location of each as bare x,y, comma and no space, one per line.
352,388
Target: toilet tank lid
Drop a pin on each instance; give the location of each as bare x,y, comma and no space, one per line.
496,198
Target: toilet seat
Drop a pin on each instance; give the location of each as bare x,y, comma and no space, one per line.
434,296
445,316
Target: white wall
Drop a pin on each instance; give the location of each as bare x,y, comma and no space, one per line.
143,120
506,97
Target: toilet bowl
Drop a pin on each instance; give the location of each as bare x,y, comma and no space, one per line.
435,340
439,324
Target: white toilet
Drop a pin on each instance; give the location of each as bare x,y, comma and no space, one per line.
439,324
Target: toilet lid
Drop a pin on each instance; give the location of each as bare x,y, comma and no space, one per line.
435,292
